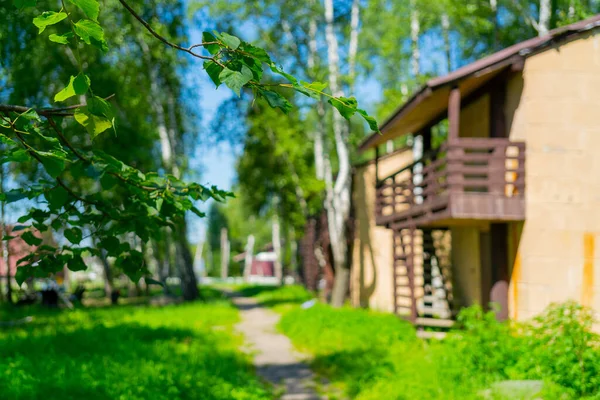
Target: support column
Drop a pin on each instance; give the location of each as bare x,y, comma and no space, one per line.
454,114
500,276
376,165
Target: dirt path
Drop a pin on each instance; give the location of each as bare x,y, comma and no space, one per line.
275,359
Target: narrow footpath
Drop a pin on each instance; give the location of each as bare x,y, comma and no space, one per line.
274,356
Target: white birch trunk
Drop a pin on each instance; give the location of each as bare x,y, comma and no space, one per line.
249,257
415,30
543,25
199,267
353,45
337,202
276,238
446,37
224,254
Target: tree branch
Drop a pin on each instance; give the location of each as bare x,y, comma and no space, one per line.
164,40
46,112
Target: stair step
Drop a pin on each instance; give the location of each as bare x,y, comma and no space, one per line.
432,299
431,335
435,322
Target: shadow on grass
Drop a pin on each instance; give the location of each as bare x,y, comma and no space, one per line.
255,290
272,296
127,360
356,369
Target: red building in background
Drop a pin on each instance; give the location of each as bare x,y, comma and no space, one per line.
17,249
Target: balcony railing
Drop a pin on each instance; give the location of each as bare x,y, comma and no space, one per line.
467,178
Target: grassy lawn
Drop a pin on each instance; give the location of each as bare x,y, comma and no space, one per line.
279,298
175,352
370,355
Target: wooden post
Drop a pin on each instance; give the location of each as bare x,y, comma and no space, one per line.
376,165
426,139
454,114
224,254
410,263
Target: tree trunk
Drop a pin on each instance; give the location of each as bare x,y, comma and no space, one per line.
276,238
224,254
108,276
337,203
318,136
249,257
353,45
199,265
293,252
446,36
415,28
185,267
543,25
571,12
494,8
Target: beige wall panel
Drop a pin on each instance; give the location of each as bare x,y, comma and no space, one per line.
466,265
554,107
372,260
475,118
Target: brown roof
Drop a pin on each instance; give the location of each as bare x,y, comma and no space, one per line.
432,98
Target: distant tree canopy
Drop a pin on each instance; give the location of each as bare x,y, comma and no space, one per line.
80,189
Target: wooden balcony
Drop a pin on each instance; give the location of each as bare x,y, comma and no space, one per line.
465,179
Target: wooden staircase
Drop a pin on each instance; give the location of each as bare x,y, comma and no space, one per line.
422,284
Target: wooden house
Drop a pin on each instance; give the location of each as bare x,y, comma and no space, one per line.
498,198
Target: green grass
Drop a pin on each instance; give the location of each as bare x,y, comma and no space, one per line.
278,298
370,355
175,352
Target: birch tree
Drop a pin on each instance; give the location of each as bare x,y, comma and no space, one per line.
543,25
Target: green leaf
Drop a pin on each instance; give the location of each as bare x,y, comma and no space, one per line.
22,273
62,39
370,120
78,85
12,195
280,71
94,124
150,281
108,181
76,264
91,33
276,100
159,203
132,265
48,18
211,48
18,228
21,4
213,70
198,212
230,41
111,244
96,117
100,107
74,235
314,86
90,8
53,162
31,115
29,238
235,80
57,197
256,52
347,106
